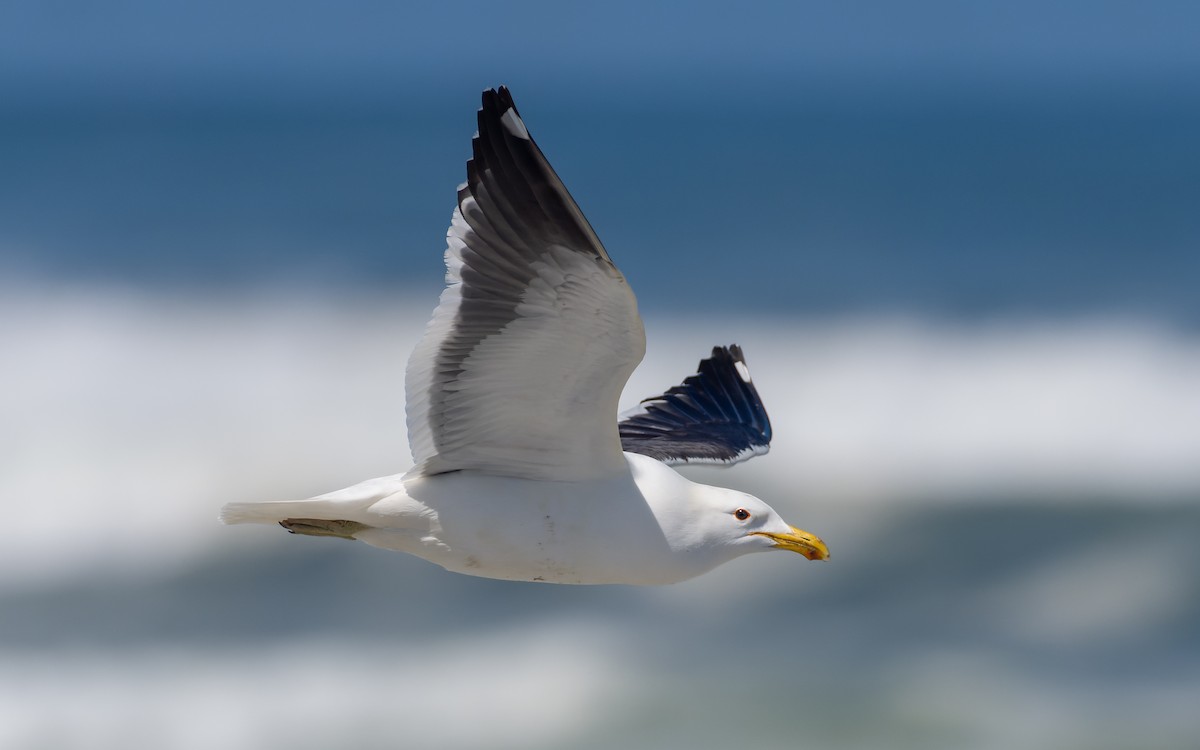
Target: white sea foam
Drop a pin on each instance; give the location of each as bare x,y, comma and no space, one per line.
534,687
560,684
951,698
129,418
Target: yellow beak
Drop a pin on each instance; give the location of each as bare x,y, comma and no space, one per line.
797,540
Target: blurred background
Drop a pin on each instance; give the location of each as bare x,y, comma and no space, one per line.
959,242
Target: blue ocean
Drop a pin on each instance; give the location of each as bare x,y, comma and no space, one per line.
798,197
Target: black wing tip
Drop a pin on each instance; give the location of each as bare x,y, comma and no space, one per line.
733,352
714,416
491,124
487,113
499,99
506,99
536,204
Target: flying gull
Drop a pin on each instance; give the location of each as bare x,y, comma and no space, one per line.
523,469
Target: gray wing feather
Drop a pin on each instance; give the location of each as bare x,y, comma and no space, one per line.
537,331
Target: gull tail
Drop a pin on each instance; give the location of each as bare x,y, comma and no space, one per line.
268,512
346,505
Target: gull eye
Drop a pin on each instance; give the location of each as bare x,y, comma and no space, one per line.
741,514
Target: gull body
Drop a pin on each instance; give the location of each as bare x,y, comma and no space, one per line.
522,469
547,531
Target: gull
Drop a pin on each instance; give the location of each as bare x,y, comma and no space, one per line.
523,469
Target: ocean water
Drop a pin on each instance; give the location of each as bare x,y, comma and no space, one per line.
791,197
971,314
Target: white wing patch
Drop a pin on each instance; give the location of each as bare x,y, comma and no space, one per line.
742,371
514,125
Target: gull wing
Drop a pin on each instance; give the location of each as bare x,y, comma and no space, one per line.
713,417
520,369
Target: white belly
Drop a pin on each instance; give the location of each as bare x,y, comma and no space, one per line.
558,532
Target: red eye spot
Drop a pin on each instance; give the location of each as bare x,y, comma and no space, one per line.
741,514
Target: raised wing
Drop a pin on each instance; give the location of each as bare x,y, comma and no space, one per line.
521,367
713,417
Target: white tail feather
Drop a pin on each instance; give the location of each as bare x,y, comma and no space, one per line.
270,512
342,505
